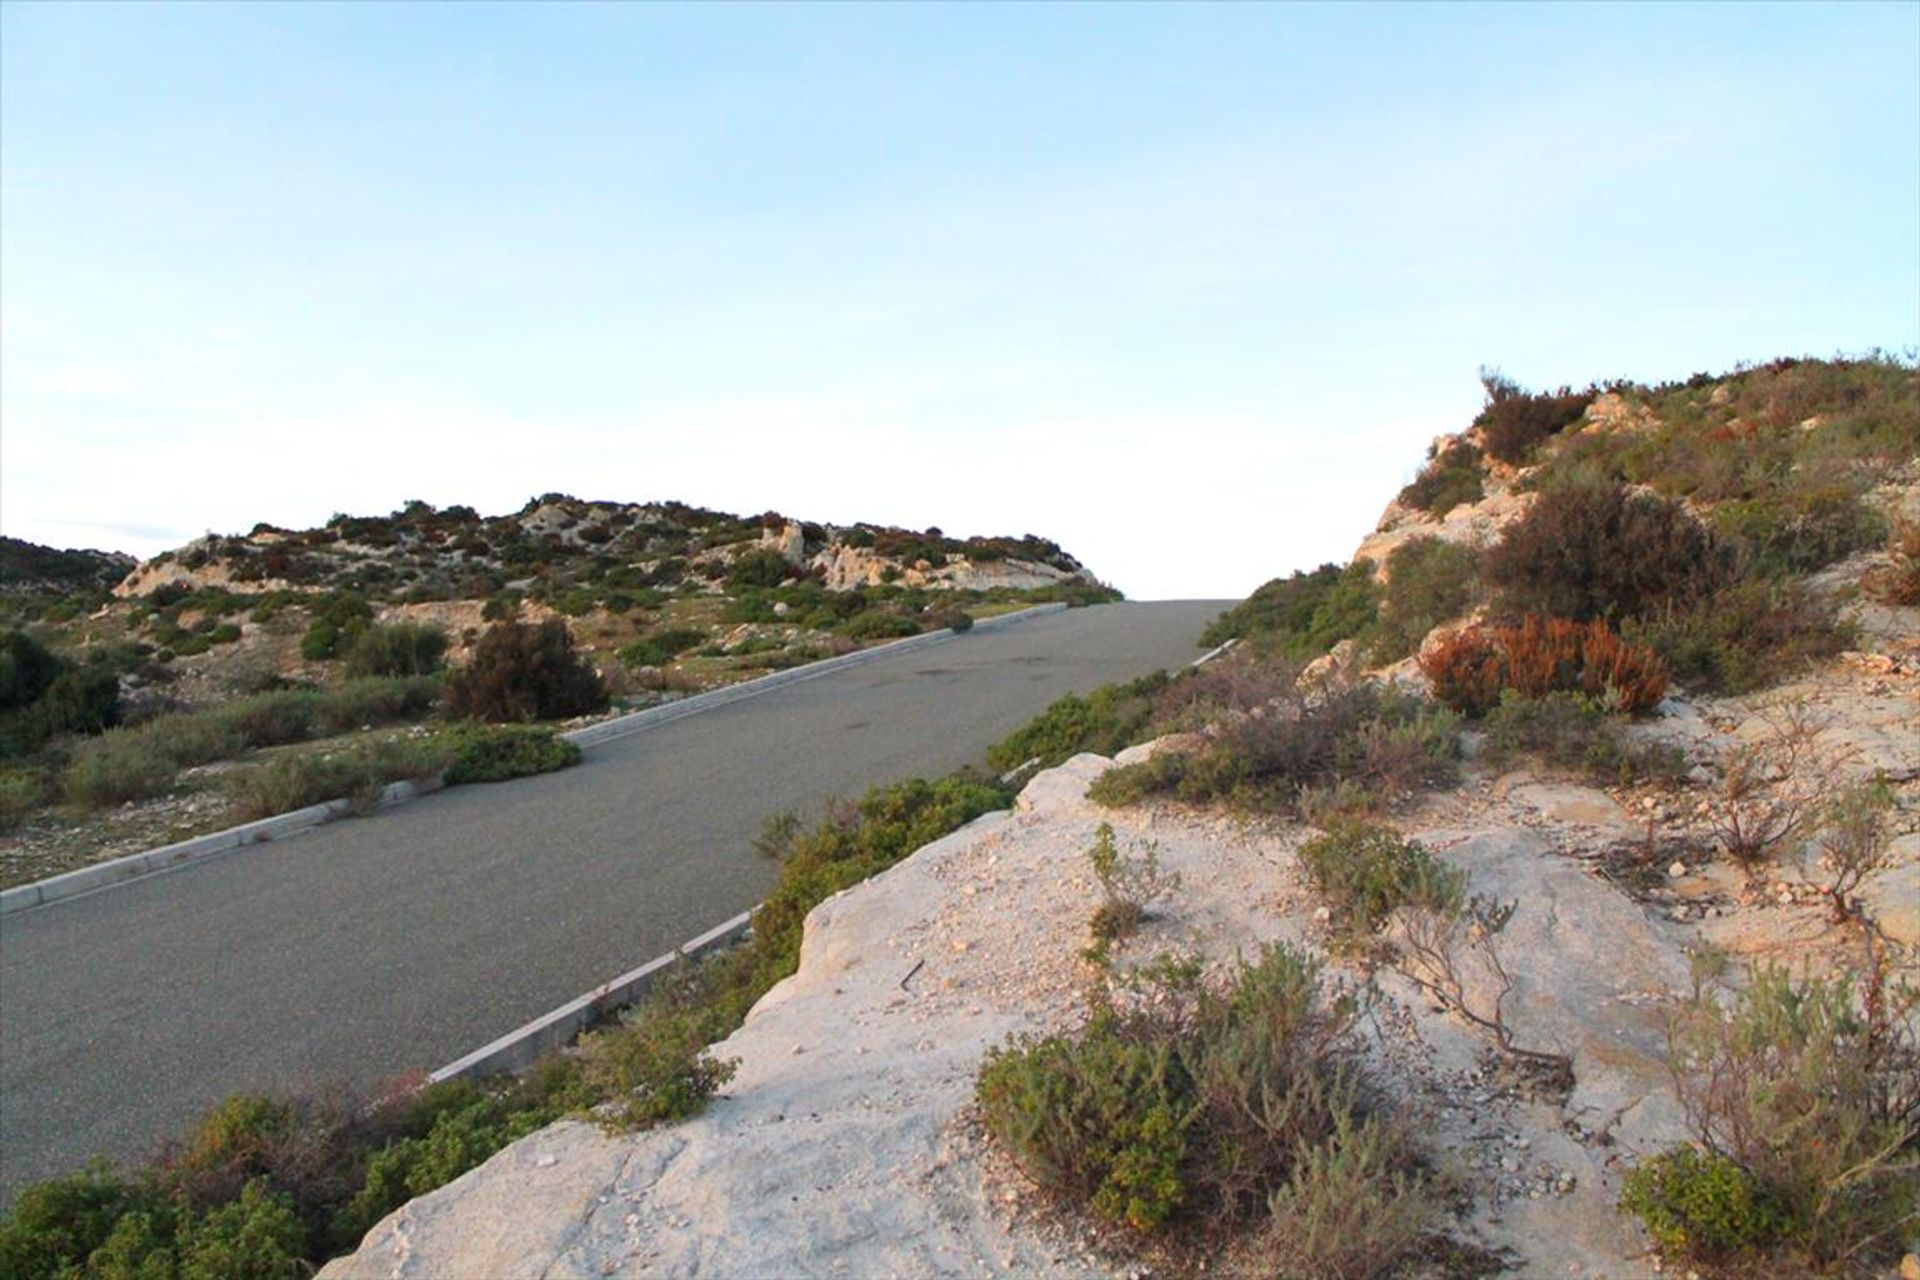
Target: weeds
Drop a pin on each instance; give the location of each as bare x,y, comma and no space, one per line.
1804,1098
1772,790
1129,884
1366,872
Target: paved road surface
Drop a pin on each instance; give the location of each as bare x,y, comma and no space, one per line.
370,948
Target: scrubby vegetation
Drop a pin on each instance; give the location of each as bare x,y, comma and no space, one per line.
1110,719
1305,614
1452,476
1378,742
1473,669
1804,1097
1236,1106
267,1186
522,672
1515,421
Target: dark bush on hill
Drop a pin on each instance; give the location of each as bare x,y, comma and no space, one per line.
1589,550
522,672
1515,420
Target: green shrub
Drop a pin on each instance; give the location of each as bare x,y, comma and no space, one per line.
1745,637
119,766
1798,531
1129,884
1573,731
1207,1112
255,1235
82,700
656,1068
1384,741
1451,478
1105,721
1367,872
1429,581
55,1226
1355,1207
1101,1117
958,621
757,568
1586,551
877,624
21,792
521,672
661,647
1306,614
1515,420
396,649
1702,1207
359,774
27,667
495,753
337,619
1807,1088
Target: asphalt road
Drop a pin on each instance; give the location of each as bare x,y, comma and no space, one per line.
367,949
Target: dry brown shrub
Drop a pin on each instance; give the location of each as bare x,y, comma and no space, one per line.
1540,656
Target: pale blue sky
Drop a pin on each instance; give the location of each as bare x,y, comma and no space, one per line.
1187,288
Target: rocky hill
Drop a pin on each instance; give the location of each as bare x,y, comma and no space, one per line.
852,1139
26,568
1533,895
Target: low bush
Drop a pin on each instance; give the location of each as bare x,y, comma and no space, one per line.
1383,741
877,624
294,781
1744,637
1804,1098
1573,731
1514,420
1304,615
119,766
658,648
27,667
396,649
521,672
1795,530
1452,477
1367,872
1105,721
21,792
337,618
1429,581
1129,884
1473,669
1702,1206
1223,1107
1588,550
495,753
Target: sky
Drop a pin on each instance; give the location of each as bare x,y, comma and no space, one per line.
1187,288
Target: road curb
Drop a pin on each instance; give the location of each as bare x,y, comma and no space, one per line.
99,876
521,1048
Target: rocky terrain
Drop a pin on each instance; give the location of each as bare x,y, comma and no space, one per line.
849,1143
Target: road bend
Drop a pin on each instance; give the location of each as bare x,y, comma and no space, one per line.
367,949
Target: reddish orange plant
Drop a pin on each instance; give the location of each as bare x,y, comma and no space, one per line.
1539,656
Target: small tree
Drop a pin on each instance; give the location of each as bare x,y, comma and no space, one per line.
522,672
